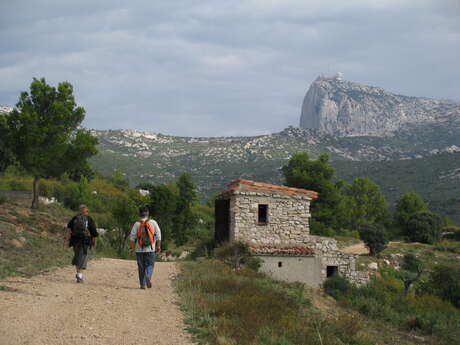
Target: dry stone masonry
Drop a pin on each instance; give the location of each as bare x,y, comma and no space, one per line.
274,220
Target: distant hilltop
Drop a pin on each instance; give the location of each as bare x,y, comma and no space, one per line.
343,108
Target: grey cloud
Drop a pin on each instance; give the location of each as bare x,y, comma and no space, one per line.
209,68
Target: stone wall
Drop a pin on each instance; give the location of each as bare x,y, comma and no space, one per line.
288,218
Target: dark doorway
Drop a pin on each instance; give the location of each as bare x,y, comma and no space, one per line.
222,221
332,270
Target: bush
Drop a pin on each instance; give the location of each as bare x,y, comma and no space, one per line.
321,229
375,237
337,286
235,254
19,185
451,233
253,263
204,248
444,282
424,227
384,299
3,199
349,233
448,246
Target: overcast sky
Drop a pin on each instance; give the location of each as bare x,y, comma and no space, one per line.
212,68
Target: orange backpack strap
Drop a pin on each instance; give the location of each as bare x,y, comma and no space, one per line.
151,232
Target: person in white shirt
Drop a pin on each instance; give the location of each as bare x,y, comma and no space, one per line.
146,237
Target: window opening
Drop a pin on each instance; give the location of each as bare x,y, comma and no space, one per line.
263,213
280,264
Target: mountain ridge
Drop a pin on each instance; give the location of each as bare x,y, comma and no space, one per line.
345,108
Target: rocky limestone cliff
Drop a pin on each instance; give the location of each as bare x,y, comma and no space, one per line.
344,108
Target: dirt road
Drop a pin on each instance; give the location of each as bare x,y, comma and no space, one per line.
108,309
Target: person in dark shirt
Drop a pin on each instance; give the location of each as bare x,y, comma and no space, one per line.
83,235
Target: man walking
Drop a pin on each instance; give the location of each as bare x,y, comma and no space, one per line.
83,235
146,235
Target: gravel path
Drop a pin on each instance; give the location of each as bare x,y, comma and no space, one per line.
108,309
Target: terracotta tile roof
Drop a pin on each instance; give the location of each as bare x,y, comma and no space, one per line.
281,250
242,184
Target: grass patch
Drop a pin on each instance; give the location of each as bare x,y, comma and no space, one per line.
225,306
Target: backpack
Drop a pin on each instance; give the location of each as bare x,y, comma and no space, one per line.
80,227
145,234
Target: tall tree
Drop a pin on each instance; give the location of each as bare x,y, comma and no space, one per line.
185,219
366,203
163,201
6,157
407,205
301,172
374,237
424,227
44,133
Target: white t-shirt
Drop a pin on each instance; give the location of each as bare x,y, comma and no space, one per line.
133,236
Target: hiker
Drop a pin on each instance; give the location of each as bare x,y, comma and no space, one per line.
146,234
83,235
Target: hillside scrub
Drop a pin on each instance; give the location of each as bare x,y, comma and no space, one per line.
384,299
31,241
227,306
113,205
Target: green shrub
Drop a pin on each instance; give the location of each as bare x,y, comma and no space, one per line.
448,246
19,185
349,233
321,229
337,286
3,199
204,248
253,263
424,227
384,299
375,237
444,281
451,232
235,254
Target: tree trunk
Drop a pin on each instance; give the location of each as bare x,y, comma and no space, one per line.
35,193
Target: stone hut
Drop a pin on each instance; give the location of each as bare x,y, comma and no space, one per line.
274,221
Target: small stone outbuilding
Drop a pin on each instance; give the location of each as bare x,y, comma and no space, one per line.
274,221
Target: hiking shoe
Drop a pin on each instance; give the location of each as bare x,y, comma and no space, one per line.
149,284
143,287
79,280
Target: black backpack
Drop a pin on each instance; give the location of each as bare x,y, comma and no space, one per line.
80,226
